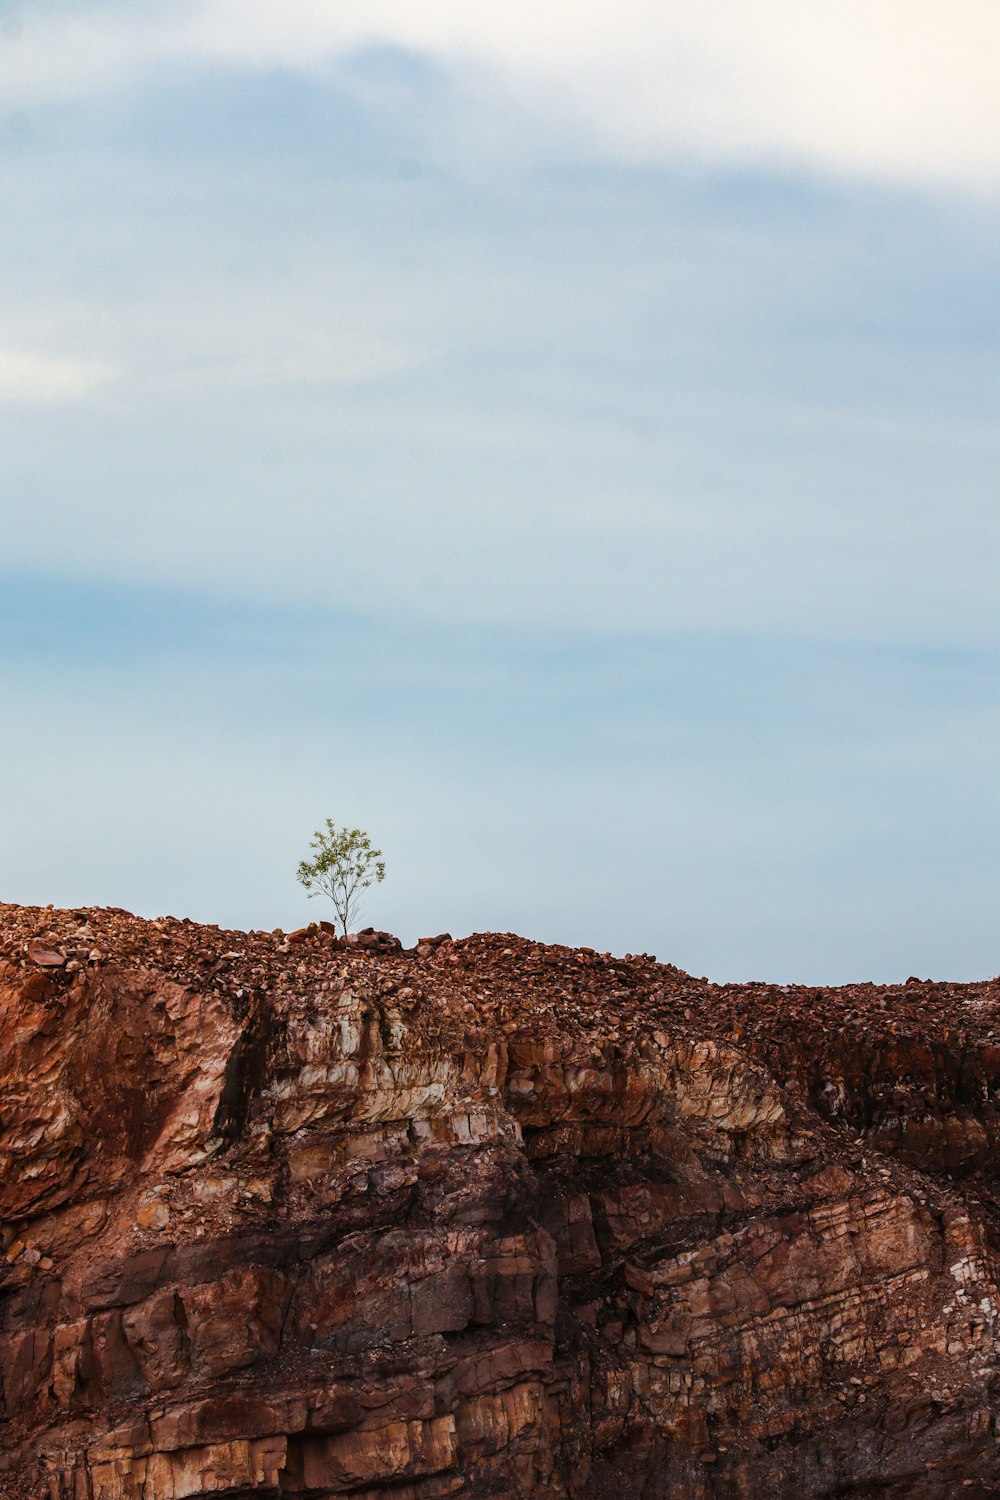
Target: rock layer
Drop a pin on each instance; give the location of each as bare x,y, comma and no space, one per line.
288,1217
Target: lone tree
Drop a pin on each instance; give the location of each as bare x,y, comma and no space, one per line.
343,866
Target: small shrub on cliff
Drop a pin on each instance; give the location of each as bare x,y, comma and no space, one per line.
343,866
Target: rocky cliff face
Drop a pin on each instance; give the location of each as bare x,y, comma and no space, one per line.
485,1219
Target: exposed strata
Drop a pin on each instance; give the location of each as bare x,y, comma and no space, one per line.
284,1218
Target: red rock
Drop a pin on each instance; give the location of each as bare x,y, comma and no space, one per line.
516,1220
46,958
302,934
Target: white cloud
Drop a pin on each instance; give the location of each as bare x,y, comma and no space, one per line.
896,88
48,380
314,362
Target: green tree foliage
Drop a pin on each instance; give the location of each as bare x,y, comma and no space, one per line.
343,866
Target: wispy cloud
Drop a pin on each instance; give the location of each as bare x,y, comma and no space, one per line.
617,400
891,88
340,362
49,380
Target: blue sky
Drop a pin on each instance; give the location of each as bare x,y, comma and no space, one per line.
571,457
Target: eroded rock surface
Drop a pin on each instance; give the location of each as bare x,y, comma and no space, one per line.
285,1217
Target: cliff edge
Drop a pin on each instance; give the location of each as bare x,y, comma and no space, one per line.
487,1218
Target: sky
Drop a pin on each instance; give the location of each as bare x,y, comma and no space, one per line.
560,440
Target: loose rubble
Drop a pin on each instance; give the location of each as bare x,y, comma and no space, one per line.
289,1214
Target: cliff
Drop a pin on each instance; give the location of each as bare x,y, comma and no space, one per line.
487,1218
